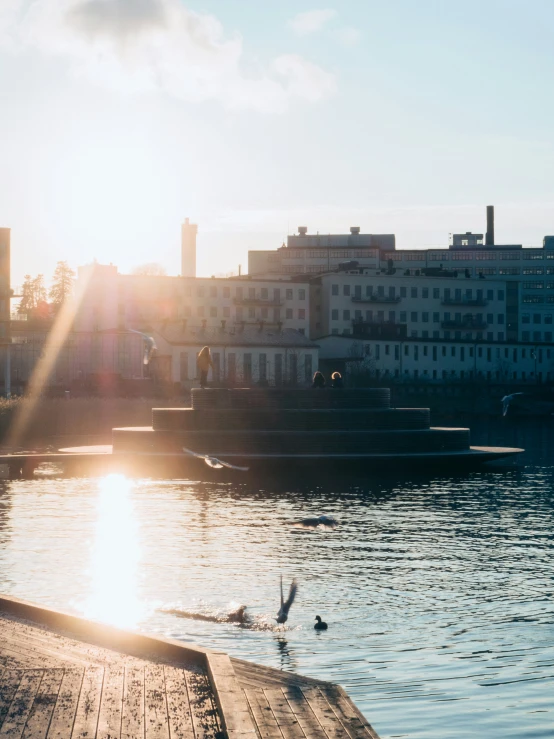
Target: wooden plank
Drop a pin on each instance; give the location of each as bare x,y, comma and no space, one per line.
325,714
155,703
132,719
203,711
354,720
86,716
109,720
65,709
20,708
178,704
8,688
43,706
288,722
306,717
265,721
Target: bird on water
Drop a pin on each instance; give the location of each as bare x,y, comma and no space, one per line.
214,462
320,625
283,613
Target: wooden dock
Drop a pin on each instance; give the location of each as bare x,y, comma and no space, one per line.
65,677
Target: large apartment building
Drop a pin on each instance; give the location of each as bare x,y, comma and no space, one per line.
110,300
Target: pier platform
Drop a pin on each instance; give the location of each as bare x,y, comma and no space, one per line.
65,677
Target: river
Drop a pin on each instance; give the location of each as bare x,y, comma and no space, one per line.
438,590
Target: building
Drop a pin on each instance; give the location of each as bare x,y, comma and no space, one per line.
391,303
189,232
439,361
314,253
110,300
242,355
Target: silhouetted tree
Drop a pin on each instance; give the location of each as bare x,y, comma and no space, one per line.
27,302
62,284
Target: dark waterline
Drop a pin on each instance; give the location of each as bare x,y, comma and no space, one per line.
437,590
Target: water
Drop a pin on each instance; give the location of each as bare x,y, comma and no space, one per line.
438,591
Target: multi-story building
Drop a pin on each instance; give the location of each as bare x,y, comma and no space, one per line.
109,300
391,304
314,253
431,360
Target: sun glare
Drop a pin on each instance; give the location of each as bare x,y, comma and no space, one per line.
115,557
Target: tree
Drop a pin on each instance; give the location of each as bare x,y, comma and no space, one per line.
151,269
62,285
26,304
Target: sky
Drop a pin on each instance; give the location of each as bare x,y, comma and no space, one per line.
119,118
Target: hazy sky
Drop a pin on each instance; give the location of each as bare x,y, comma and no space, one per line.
118,118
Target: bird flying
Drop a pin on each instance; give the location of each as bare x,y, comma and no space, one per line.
283,613
506,400
149,345
217,464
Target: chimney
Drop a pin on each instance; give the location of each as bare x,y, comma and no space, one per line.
188,249
489,239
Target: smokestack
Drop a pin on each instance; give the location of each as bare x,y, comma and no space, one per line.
489,239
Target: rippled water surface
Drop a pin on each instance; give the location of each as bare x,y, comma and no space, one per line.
438,590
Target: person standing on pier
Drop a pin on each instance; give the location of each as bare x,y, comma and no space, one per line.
203,363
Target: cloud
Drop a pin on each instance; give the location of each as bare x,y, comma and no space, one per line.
348,36
311,21
148,45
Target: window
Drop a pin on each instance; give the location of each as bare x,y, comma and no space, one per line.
526,318
533,285
403,316
213,291
453,351
501,336
535,299
413,292
525,335
301,313
490,294
425,317
251,313
500,319
216,359
425,292
226,312
226,292
308,368
509,255
425,348
537,318
436,317
508,271
501,295
436,292
247,367
548,318
288,313
301,294
183,366
231,367
387,349
213,311
262,363
413,316
264,294
346,315
200,311
200,291
533,271
536,335
377,351
334,289
403,292
288,294
434,354
335,314
265,312
346,289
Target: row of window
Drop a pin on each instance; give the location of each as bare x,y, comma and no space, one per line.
537,299
537,318
393,291
250,293
462,353
241,312
253,367
414,316
324,253
459,256
448,335
500,374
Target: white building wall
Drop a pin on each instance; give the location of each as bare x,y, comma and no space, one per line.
439,361
424,304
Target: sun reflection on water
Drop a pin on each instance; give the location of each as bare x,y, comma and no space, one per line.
115,556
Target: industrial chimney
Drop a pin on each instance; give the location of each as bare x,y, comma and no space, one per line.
188,249
489,239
